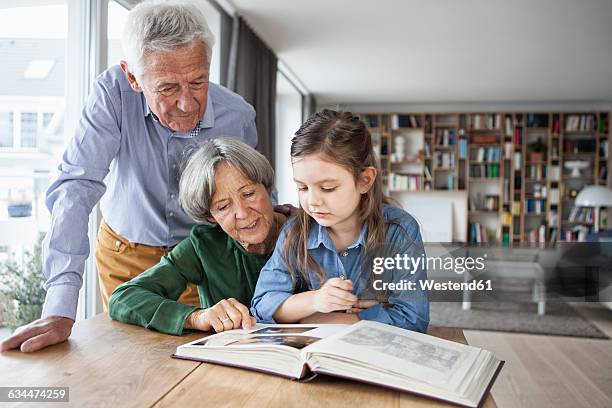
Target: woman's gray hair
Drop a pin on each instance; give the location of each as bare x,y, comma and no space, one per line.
197,183
163,25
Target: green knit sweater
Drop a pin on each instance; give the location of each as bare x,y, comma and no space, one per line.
209,258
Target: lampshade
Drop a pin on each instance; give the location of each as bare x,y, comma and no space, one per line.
594,196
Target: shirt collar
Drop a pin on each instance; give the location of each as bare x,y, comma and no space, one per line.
320,235
208,121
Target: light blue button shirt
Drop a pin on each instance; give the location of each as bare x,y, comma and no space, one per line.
124,158
408,309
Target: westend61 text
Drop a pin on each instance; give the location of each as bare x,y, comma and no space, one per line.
433,285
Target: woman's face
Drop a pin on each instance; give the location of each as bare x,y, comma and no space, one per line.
241,207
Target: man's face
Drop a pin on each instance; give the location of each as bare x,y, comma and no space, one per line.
175,85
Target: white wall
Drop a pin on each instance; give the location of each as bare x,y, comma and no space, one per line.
421,206
474,107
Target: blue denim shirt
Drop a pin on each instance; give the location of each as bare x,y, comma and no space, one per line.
408,309
120,154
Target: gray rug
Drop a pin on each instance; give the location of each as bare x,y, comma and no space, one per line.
560,318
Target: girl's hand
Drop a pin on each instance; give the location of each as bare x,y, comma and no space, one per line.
228,314
362,305
335,294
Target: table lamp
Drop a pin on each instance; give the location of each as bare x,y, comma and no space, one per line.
597,197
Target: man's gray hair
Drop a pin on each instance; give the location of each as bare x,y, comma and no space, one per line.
197,183
163,25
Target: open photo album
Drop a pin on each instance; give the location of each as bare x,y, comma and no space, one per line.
366,351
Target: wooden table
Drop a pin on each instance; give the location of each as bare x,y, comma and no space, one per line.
107,363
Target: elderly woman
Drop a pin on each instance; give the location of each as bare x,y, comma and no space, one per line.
226,184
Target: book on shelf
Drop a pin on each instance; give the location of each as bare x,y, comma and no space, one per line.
371,120
477,233
604,124
604,149
540,191
463,148
427,173
508,150
517,160
554,195
399,121
539,120
506,191
603,173
507,218
404,182
518,136
486,121
537,171
535,206
508,125
444,159
582,214
491,202
553,235
366,351
484,170
553,220
554,152
554,173
446,137
577,233
537,235
506,238
556,125
488,154
580,123
516,208
579,146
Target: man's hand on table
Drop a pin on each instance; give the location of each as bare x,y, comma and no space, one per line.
39,334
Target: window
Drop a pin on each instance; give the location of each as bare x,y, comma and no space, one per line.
33,48
288,120
6,130
29,129
46,119
116,18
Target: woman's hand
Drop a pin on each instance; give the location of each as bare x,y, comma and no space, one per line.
228,314
335,294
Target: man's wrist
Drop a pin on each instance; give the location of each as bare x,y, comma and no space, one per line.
61,301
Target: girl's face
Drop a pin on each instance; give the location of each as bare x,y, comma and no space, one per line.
328,192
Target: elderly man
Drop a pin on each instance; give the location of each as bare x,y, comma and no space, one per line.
140,118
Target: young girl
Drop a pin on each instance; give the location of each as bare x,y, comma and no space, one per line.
333,259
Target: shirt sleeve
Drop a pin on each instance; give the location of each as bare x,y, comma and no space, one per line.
273,287
150,299
408,309
250,129
71,197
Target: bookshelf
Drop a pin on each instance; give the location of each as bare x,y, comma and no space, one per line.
516,167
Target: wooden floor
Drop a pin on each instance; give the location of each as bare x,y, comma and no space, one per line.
553,371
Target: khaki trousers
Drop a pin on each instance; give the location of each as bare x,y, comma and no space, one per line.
120,260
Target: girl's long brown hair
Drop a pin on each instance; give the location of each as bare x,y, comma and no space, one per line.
344,139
